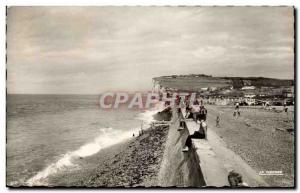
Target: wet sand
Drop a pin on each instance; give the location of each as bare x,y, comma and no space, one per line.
263,138
129,164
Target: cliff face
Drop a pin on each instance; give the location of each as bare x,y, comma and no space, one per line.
178,168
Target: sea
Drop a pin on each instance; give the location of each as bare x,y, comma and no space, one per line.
46,133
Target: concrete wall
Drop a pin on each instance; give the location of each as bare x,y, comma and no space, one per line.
178,168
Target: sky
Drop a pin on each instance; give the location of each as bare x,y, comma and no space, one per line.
90,50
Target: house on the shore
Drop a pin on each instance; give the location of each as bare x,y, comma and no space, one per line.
249,94
248,88
204,89
288,92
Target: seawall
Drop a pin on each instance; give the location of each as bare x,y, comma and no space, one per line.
177,168
207,164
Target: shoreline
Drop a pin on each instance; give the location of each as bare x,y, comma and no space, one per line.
132,163
253,139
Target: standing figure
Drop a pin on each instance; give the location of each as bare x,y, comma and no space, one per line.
268,105
177,100
237,106
188,110
285,108
182,124
196,102
218,121
202,113
237,110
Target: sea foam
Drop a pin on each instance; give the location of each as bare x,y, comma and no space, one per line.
106,138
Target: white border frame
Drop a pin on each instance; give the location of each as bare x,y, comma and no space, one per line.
98,3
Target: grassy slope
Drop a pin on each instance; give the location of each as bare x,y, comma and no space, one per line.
193,83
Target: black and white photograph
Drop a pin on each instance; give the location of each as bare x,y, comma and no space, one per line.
150,97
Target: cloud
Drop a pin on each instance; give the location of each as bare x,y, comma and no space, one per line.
93,49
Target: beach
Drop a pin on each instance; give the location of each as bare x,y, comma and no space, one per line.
263,138
114,157
133,163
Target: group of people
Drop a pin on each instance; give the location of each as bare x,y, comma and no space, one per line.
198,113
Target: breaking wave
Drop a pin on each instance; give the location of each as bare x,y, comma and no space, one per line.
147,116
107,138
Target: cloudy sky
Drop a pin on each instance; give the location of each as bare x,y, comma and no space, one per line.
89,50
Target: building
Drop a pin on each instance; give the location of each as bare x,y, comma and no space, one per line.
249,95
288,93
248,88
